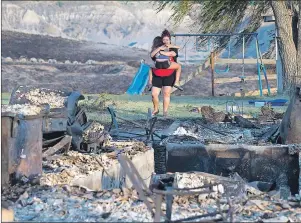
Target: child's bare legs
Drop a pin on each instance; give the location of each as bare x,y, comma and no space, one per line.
176,67
155,98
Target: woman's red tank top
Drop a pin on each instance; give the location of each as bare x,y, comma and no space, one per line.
164,72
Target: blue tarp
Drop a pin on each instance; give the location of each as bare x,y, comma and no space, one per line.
140,80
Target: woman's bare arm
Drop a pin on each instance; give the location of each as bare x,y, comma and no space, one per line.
173,46
169,54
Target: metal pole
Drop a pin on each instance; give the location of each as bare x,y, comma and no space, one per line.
243,57
212,72
258,69
263,69
185,53
243,73
216,34
278,65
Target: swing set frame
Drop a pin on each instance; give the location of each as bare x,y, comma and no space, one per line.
259,60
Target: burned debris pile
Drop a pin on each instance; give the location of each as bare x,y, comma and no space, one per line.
62,116
218,167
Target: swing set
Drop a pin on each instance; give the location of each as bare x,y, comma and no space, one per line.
221,61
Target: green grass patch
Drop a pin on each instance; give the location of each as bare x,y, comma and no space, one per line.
135,107
5,98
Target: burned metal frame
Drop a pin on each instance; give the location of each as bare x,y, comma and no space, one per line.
148,127
57,122
169,193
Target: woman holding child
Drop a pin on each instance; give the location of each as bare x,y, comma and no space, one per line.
165,56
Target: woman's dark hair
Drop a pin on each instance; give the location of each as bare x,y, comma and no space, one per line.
157,42
165,33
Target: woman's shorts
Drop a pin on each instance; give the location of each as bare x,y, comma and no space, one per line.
160,82
162,65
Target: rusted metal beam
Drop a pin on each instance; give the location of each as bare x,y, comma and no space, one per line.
21,146
64,143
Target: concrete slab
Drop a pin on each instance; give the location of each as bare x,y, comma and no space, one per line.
114,177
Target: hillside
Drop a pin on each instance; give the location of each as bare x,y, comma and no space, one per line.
123,23
16,44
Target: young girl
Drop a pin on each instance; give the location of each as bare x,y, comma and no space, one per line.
161,61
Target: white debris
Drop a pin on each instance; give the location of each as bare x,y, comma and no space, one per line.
180,131
52,61
90,62
24,109
67,62
22,60
38,97
277,219
41,61
219,188
7,59
33,60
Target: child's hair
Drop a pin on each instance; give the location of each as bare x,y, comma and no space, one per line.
165,33
157,42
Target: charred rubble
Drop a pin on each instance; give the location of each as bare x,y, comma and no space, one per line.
62,116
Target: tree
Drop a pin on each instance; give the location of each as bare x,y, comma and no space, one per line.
223,16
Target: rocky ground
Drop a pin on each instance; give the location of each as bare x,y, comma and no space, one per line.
73,204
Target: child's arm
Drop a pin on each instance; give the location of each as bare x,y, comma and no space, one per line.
169,54
157,50
150,76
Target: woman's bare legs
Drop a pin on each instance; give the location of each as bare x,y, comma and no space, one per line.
178,68
155,97
166,98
